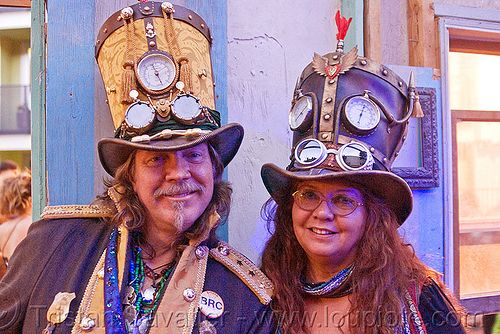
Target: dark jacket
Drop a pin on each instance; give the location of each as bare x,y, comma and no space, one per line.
59,255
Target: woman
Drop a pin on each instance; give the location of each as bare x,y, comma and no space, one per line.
337,260
15,205
335,256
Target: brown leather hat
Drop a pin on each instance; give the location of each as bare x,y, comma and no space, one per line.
154,59
349,119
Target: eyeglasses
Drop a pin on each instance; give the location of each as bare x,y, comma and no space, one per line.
339,204
311,152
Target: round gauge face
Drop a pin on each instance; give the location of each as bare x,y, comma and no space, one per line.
300,113
362,113
156,71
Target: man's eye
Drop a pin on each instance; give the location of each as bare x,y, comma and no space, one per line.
194,156
153,161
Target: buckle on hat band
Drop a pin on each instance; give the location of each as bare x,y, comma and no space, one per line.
353,156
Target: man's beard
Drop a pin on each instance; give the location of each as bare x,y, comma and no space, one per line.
178,216
178,207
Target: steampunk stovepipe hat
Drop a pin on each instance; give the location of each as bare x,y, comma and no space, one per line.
155,63
349,119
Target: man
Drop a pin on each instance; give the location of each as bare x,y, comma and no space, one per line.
144,256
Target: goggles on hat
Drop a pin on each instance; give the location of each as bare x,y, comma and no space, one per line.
186,109
353,156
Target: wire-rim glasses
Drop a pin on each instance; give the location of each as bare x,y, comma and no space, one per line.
340,204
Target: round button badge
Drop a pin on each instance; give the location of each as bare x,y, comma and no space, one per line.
211,304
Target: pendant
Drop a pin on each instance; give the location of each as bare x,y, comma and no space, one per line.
141,325
149,295
129,313
129,297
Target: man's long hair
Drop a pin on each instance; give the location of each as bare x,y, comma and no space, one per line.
133,213
384,267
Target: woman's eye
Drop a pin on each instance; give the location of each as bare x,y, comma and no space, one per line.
309,194
343,200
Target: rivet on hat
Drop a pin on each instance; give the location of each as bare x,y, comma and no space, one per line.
332,81
167,7
105,30
127,12
396,154
363,62
202,73
328,100
152,43
327,116
147,9
372,149
384,72
119,18
335,57
404,138
202,26
324,135
98,42
384,160
190,17
189,294
100,273
400,84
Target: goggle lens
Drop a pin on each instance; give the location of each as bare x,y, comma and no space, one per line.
352,156
339,204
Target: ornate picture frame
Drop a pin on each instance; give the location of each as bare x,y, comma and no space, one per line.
427,175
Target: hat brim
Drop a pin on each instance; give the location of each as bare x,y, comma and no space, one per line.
226,140
386,185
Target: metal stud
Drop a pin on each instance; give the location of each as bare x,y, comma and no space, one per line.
327,116
384,72
335,57
189,294
324,135
105,30
224,250
87,324
152,43
331,82
200,252
202,26
147,9
372,149
328,100
384,160
127,12
190,17
363,62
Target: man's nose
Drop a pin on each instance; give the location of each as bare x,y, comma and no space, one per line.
177,169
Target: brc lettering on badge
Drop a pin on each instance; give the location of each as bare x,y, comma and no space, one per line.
211,304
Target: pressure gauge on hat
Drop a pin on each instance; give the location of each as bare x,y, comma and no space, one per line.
300,117
360,114
156,71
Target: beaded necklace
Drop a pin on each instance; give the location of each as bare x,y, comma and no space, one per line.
140,306
334,288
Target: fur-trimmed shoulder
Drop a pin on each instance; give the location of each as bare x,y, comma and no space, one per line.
76,211
245,269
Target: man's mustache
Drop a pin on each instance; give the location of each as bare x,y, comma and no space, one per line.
178,188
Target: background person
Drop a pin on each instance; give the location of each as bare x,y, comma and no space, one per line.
144,258
15,205
335,256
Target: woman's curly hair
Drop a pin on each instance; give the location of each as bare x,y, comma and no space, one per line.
384,267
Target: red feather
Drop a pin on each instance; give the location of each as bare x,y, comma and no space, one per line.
342,25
